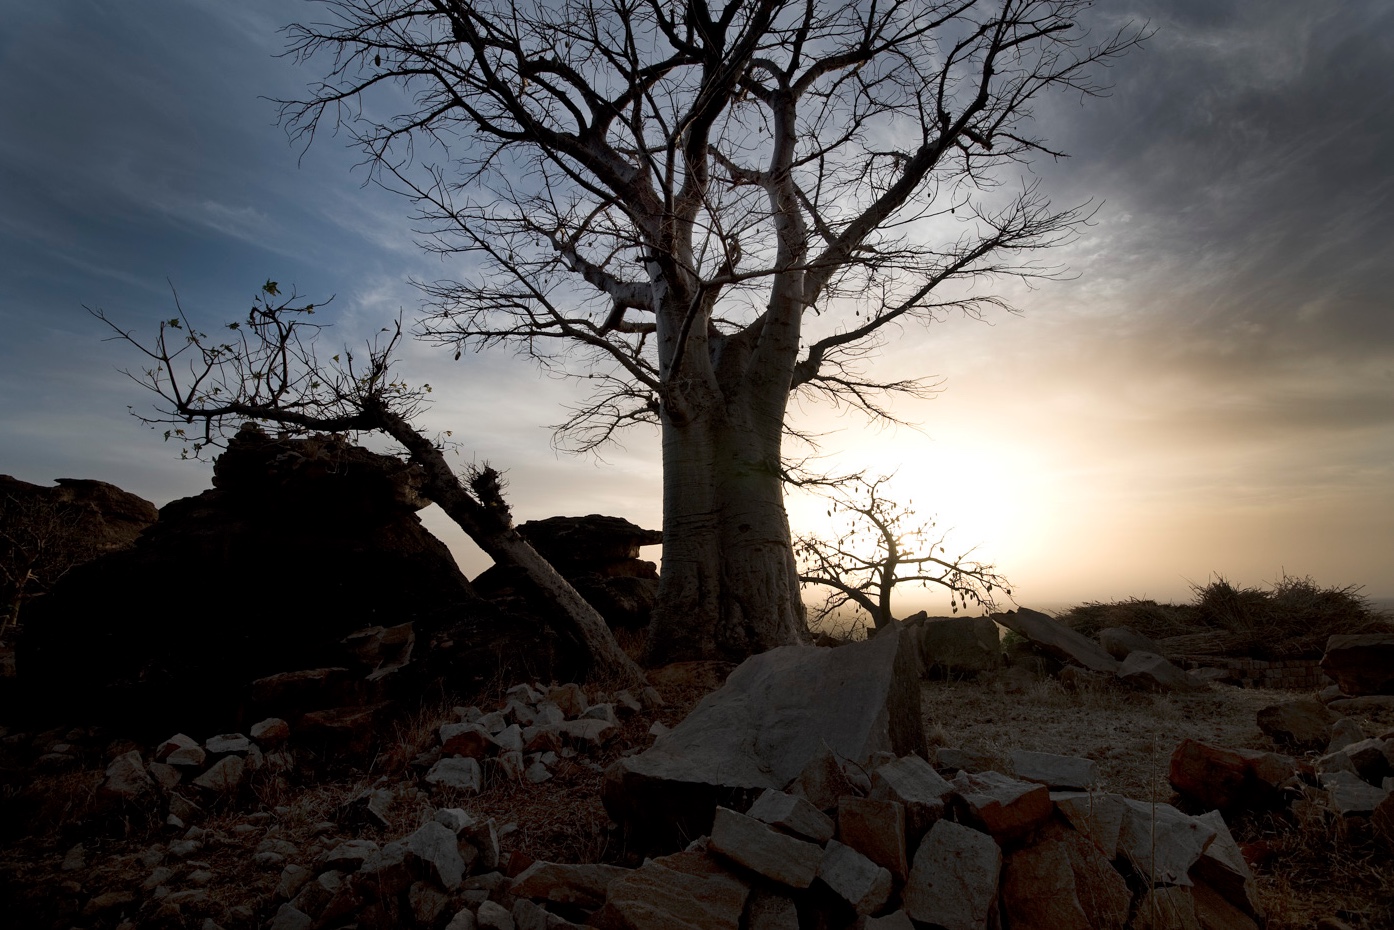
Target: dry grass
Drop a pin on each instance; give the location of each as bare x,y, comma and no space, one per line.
1292,617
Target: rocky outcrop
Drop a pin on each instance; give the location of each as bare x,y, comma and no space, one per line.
598,555
104,516
301,543
957,647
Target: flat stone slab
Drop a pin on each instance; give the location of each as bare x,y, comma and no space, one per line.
776,713
765,851
561,883
1058,640
1062,773
654,897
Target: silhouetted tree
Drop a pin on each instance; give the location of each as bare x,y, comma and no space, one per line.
268,370
876,545
40,541
702,209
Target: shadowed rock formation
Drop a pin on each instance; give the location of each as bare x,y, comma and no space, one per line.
300,543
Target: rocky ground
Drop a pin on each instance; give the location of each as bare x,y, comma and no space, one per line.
294,831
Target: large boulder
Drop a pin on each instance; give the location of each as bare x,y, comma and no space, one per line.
958,647
300,543
102,516
598,555
1361,663
1057,640
777,712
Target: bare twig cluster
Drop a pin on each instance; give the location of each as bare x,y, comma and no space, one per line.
876,545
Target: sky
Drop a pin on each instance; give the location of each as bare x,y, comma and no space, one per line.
1210,392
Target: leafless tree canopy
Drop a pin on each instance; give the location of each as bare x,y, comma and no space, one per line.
668,199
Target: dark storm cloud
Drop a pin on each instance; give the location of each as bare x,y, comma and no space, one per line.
1251,149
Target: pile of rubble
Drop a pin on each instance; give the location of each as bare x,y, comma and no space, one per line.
533,729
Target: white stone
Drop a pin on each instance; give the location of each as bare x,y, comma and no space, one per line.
459,772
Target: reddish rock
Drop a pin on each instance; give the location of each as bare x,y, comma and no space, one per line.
1096,816
1215,778
349,729
466,739
1062,882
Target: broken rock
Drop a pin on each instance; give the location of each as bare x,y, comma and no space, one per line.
1005,807
793,815
774,855
1303,726
1067,773
1361,663
777,712
954,880
654,897
1062,882
1161,842
876,829
854,878
1151,672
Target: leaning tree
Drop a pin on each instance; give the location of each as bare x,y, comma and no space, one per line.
702,210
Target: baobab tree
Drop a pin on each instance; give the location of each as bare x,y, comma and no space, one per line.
701,210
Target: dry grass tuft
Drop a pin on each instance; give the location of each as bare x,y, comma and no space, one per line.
1292,617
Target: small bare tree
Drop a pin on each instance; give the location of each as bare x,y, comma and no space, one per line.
40,541
877,545
268,370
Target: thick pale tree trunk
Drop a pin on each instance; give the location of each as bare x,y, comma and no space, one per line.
729,586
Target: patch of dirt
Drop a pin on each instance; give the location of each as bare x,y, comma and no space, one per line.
1130,734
